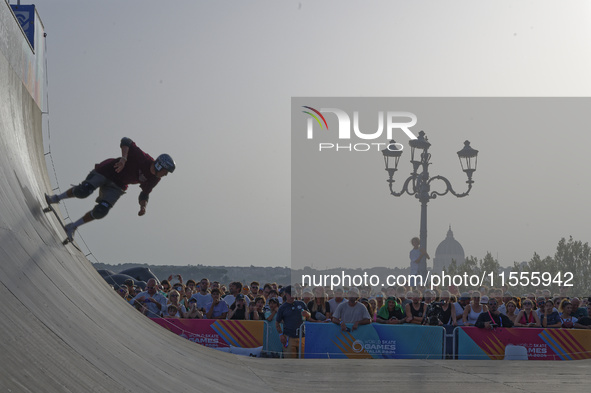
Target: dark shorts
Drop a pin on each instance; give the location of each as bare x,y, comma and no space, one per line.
108,190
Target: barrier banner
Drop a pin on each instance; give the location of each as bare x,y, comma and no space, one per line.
377,341
541,344
217,333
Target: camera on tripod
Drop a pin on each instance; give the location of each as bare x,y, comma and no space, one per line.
434,314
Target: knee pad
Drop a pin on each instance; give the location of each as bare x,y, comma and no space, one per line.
100,210
83,190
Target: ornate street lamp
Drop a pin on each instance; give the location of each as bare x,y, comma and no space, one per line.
419,184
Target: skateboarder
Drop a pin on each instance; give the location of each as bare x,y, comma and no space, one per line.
112,177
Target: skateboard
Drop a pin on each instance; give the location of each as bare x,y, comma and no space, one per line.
50,208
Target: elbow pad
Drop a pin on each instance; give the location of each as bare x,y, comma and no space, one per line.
125,141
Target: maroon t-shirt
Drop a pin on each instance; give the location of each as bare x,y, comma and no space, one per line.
136,170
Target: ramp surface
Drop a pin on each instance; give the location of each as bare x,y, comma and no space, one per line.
64,330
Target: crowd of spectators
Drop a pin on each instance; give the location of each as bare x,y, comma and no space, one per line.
351,307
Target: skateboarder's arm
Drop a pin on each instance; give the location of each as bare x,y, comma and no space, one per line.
143,204
123,160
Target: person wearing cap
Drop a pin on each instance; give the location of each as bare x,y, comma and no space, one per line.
460,305
235,289
351,312
391,312
339,297
238,309
291,314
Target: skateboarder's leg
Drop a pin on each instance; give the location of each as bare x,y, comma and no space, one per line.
109,194
82,190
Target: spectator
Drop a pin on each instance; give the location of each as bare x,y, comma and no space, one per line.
238,309
492,318
319,307
448,317
130,287
460,306
401,294
291,313
172,312
540,306
527,317
124,293
550,318
150,302
503,305
512,310
415,311
585,322
391,313
568,321
252,314
272,311
380,300
259,303
254,289
430,297
179,286
351,312
578,311
165,287
217,309
307,295
374,306
203,297
187,295
235,290
370,310
474,309
267,290
273,294
173,299
246,292
192,310
191,285
339,297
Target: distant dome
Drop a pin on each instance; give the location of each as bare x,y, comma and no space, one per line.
448,250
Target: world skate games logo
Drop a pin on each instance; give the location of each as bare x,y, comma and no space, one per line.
344,128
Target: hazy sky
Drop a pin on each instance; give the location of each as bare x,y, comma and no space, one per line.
211,84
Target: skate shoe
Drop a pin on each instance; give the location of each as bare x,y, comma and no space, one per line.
51,199
70,229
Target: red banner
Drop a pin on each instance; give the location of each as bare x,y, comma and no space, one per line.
217,333
541,344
